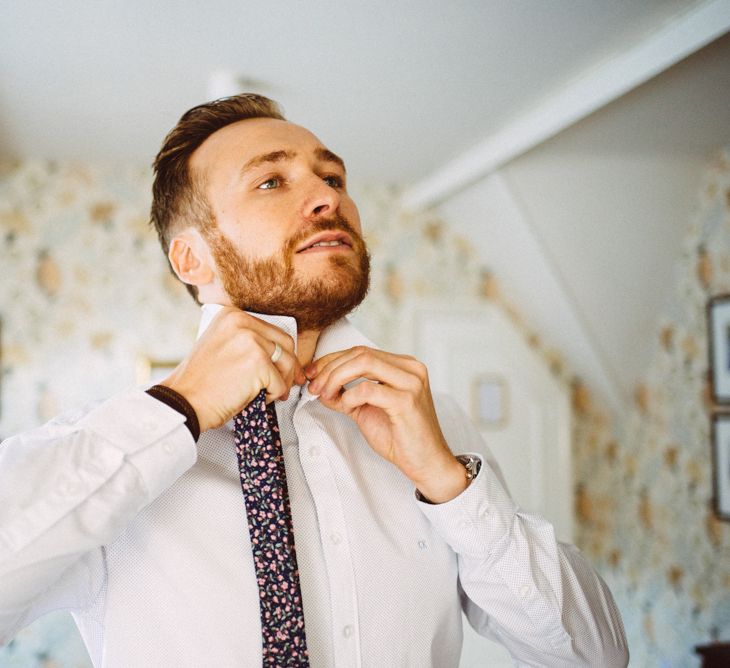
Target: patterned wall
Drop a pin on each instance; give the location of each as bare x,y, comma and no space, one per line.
86,293
644,488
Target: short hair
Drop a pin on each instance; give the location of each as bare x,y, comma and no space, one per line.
177,199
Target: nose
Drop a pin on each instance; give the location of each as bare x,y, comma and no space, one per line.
321,199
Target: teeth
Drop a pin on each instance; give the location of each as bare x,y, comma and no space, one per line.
326,243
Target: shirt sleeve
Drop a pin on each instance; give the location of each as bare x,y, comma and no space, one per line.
71,486
519,586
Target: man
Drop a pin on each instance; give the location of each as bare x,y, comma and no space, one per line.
131,515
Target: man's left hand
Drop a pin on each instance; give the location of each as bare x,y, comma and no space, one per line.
395,414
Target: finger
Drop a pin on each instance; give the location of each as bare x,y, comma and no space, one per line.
241,320
371,367
324,366
276,386
327,365
315,367
290,368
273,334
406,362
287,365
372,394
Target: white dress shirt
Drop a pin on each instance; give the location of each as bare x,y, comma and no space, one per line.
116,515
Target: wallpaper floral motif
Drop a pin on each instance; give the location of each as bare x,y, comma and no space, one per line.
644,488
86,293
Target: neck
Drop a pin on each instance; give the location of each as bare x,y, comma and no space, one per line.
306,345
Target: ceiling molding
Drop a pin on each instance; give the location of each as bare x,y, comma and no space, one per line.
580,97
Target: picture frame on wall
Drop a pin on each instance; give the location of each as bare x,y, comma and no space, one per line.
489,401
718,330
721,464
1,369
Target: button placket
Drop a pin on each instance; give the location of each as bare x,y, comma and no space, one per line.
318,473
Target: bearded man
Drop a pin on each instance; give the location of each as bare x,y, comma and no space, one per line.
371,515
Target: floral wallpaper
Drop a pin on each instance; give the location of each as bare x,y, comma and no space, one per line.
86,294
644,488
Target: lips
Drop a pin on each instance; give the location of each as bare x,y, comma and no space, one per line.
327,239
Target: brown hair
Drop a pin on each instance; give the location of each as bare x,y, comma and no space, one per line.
177,199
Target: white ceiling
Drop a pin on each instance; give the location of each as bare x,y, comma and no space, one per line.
399,89
612,197
395,87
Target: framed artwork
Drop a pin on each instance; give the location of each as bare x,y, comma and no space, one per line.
489,401
721,464
152,371
718,329
1,369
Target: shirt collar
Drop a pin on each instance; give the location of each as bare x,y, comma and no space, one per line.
340,335
285,322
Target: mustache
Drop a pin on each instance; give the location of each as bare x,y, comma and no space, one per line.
336,223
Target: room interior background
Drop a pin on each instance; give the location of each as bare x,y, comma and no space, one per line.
87,295
86,300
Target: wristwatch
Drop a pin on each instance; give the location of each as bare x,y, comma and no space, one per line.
472,464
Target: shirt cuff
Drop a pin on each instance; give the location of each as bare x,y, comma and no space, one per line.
478,521
152,435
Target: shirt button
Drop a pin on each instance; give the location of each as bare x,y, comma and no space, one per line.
169,448
483,509
149,425
347,631
525,591
336,539
314,451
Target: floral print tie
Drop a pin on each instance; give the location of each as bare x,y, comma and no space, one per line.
263,479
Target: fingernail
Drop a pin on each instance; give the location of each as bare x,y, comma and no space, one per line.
310,369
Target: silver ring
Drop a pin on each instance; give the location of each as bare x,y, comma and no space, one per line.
276,355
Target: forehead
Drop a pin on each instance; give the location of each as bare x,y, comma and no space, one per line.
235,144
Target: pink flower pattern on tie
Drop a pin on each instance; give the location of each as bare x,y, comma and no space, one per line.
263,479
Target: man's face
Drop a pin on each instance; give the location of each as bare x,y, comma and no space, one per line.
274,190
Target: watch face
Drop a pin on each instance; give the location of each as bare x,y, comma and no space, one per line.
471,464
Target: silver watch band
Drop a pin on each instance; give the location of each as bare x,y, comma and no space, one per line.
472,464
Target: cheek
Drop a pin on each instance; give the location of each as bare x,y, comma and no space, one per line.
350,212
256,235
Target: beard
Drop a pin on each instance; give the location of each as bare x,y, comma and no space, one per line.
271,285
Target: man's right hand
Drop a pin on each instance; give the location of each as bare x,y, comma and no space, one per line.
231,363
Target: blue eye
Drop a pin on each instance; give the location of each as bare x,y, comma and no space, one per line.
333,181
270,184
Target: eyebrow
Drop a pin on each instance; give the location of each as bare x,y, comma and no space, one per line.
273,156
323,154
326,155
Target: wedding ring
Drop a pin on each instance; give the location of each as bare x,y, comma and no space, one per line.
276,355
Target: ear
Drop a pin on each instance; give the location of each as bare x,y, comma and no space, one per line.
190,258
